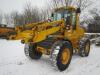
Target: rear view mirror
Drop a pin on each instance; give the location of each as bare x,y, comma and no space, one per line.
52,15
78,10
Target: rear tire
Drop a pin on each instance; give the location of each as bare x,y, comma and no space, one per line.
31,51
84,48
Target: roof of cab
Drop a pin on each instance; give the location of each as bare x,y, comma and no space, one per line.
70,8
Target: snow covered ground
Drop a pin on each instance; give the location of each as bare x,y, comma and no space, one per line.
14,62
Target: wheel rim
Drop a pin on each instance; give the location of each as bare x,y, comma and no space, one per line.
87,48
65,56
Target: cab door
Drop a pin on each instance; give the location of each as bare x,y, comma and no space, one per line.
71,32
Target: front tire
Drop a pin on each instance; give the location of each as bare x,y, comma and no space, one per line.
64,55
31,51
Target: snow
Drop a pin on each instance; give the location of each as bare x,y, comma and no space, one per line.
14,62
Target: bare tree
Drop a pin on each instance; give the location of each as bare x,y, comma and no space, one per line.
45,14
79,3
84,3
7,19
31,14
1,17
15,17
94,12
94,26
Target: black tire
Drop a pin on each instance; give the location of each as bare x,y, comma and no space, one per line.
59,63
32,52
83,51
7,36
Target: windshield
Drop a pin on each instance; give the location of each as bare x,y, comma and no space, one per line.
59,15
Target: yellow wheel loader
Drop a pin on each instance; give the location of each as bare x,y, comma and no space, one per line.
58,38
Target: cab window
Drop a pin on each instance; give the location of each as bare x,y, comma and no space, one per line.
74,20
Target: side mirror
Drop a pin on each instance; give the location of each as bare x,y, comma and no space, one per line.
78,10
52,15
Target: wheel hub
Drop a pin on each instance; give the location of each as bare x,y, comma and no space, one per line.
65,56
87,48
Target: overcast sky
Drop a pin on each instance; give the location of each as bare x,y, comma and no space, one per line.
8,6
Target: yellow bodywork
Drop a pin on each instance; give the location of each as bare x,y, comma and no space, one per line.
41,31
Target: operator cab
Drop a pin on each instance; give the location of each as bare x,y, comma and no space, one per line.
69,15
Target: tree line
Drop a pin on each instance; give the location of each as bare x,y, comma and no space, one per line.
32,14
